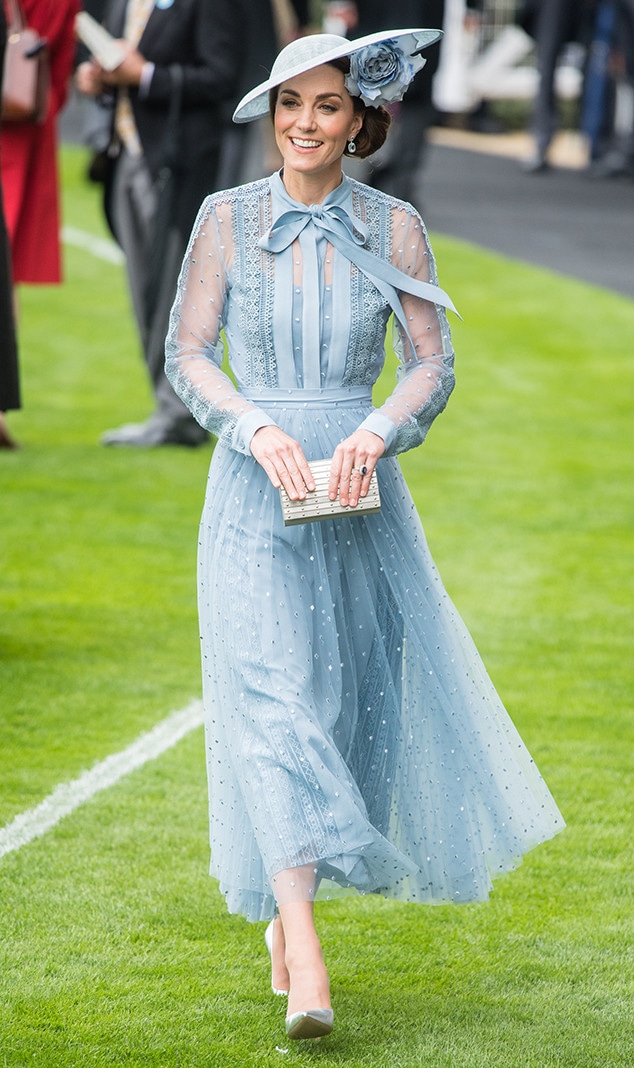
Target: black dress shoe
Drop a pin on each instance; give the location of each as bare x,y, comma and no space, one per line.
6,441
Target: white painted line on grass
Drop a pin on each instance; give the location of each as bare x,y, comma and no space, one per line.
70,795
100,247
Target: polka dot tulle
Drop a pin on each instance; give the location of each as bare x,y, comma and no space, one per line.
353,736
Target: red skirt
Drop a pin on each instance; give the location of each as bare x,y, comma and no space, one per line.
31,200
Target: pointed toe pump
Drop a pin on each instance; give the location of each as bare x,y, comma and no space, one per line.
268,938
313,1024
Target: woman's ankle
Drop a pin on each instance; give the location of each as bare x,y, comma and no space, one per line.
309,986
309,983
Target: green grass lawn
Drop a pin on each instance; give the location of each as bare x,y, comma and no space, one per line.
115,947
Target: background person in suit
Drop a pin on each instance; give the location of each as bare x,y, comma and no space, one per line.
248,151
199,44
396,168
397,172
606,117
553,24
95,122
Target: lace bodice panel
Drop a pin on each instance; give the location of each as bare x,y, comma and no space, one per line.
302,318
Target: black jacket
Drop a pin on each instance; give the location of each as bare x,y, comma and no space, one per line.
205,39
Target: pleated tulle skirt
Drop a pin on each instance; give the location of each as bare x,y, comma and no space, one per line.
351,727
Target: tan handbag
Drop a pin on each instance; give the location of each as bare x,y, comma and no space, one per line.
26,80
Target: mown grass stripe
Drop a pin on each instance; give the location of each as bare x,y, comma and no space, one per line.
100,247
68,796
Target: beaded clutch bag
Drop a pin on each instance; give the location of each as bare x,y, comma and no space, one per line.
317,505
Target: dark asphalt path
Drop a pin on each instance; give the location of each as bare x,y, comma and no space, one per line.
561,219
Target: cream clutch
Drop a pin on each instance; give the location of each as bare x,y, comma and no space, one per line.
317,505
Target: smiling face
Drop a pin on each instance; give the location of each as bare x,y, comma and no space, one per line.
314,119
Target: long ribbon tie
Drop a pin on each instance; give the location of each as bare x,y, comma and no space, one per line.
349,237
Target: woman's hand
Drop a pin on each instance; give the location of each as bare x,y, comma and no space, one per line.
283,460
352,465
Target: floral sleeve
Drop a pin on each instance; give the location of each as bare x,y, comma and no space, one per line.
194,349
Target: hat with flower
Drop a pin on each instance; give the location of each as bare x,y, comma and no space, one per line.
382,65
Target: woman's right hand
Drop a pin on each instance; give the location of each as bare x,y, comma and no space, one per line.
283,460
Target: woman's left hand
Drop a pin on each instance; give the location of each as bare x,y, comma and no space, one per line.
352,465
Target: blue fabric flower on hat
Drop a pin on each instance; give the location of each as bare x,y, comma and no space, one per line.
380,73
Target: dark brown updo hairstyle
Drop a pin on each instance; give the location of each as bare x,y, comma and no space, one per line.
376,121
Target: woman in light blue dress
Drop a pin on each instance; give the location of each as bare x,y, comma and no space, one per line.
353,736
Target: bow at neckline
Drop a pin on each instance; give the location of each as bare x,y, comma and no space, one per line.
331,218
349,236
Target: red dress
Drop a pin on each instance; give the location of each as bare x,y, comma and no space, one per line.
28,155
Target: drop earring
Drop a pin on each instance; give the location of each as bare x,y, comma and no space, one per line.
352,148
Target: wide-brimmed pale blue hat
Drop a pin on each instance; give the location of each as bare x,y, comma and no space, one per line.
382,65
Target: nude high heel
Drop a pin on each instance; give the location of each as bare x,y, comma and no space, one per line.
268,938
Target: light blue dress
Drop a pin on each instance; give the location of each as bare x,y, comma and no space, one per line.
351,727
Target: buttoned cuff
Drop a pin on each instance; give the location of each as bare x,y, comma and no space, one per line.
246,427
379,424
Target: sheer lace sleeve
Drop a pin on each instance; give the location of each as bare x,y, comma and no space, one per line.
425,375
194,348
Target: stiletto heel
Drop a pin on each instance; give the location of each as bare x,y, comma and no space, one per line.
313,1024
268,938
